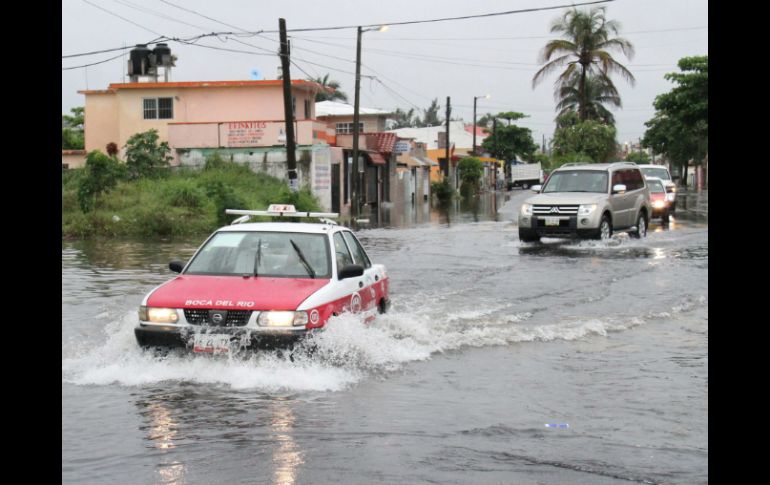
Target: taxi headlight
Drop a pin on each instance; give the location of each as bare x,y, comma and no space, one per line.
586,209
659,204
158,315
526,209
282,319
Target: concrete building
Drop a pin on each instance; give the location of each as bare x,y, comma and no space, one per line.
242,120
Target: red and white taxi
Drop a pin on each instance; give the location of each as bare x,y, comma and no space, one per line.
261,284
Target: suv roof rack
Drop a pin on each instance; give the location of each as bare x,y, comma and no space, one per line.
280,210
623,163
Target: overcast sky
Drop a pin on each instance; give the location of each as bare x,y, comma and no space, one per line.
413,64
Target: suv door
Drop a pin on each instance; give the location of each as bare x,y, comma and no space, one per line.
622,204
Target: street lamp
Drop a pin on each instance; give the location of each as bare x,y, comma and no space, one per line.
356,189
486,96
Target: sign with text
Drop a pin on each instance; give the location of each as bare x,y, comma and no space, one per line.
402,146
234,134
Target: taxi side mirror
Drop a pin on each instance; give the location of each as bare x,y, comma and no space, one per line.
176,266
350,271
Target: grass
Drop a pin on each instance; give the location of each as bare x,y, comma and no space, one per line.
185,202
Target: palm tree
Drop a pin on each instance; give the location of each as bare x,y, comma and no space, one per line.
325,96
587,38
598,91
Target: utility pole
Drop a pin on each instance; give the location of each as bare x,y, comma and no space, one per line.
355,195
448,160
288,112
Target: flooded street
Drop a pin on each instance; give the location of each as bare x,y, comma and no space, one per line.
564,362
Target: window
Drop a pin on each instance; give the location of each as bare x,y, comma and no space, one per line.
577,181
307,109
273,254
359,255
158,108
345,128
341,252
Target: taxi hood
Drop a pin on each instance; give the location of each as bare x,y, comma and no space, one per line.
234,292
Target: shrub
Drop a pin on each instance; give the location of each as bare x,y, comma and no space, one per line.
442,190
145,157
185,194
101,174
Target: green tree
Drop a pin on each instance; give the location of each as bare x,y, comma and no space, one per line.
507,142
324,95
679,128
587,38
402,119
584,141
72,137
640,158
598,92
430,115
102,173
145,157
470,170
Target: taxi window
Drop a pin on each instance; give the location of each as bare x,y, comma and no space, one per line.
341,252
358,251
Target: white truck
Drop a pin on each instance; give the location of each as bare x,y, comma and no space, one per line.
525,175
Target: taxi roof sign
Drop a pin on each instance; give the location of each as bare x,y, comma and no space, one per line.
279,210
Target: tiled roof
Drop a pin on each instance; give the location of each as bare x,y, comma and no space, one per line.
384,142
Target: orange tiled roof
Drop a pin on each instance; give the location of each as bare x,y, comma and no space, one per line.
384,142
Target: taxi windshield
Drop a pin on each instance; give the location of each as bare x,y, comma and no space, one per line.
577,181
275,254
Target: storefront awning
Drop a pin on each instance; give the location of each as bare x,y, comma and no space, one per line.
376,158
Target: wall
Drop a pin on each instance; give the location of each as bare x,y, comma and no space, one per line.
313,164
101,121
73,158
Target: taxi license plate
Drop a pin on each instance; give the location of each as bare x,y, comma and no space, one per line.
552,221
211,343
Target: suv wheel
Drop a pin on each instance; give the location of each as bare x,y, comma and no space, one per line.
605,228
641,226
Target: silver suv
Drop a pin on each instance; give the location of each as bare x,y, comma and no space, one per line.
587,201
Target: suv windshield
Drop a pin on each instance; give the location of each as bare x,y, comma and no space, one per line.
281,254
577,181
659,172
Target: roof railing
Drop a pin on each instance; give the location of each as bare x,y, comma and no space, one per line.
280,210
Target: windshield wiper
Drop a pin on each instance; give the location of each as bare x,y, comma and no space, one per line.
302,259
258,257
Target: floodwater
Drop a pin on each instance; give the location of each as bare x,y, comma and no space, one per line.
500,362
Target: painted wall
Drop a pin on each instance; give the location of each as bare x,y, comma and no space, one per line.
117,115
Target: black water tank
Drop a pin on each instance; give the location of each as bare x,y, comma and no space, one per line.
162,54
138,63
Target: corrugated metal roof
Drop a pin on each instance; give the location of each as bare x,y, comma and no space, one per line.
335,108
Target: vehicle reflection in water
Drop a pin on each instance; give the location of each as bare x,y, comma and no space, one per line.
261,426
162,433
287,455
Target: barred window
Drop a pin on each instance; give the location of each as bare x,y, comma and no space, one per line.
345,128
158,108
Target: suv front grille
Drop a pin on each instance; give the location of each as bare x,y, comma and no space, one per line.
560,210
200,316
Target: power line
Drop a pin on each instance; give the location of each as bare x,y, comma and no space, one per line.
122,18
92,64
155,13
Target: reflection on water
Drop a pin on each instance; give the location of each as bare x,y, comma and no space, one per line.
287,456
472,208
179,420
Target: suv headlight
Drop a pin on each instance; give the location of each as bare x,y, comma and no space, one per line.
586,209
526,209
282,319
158,315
